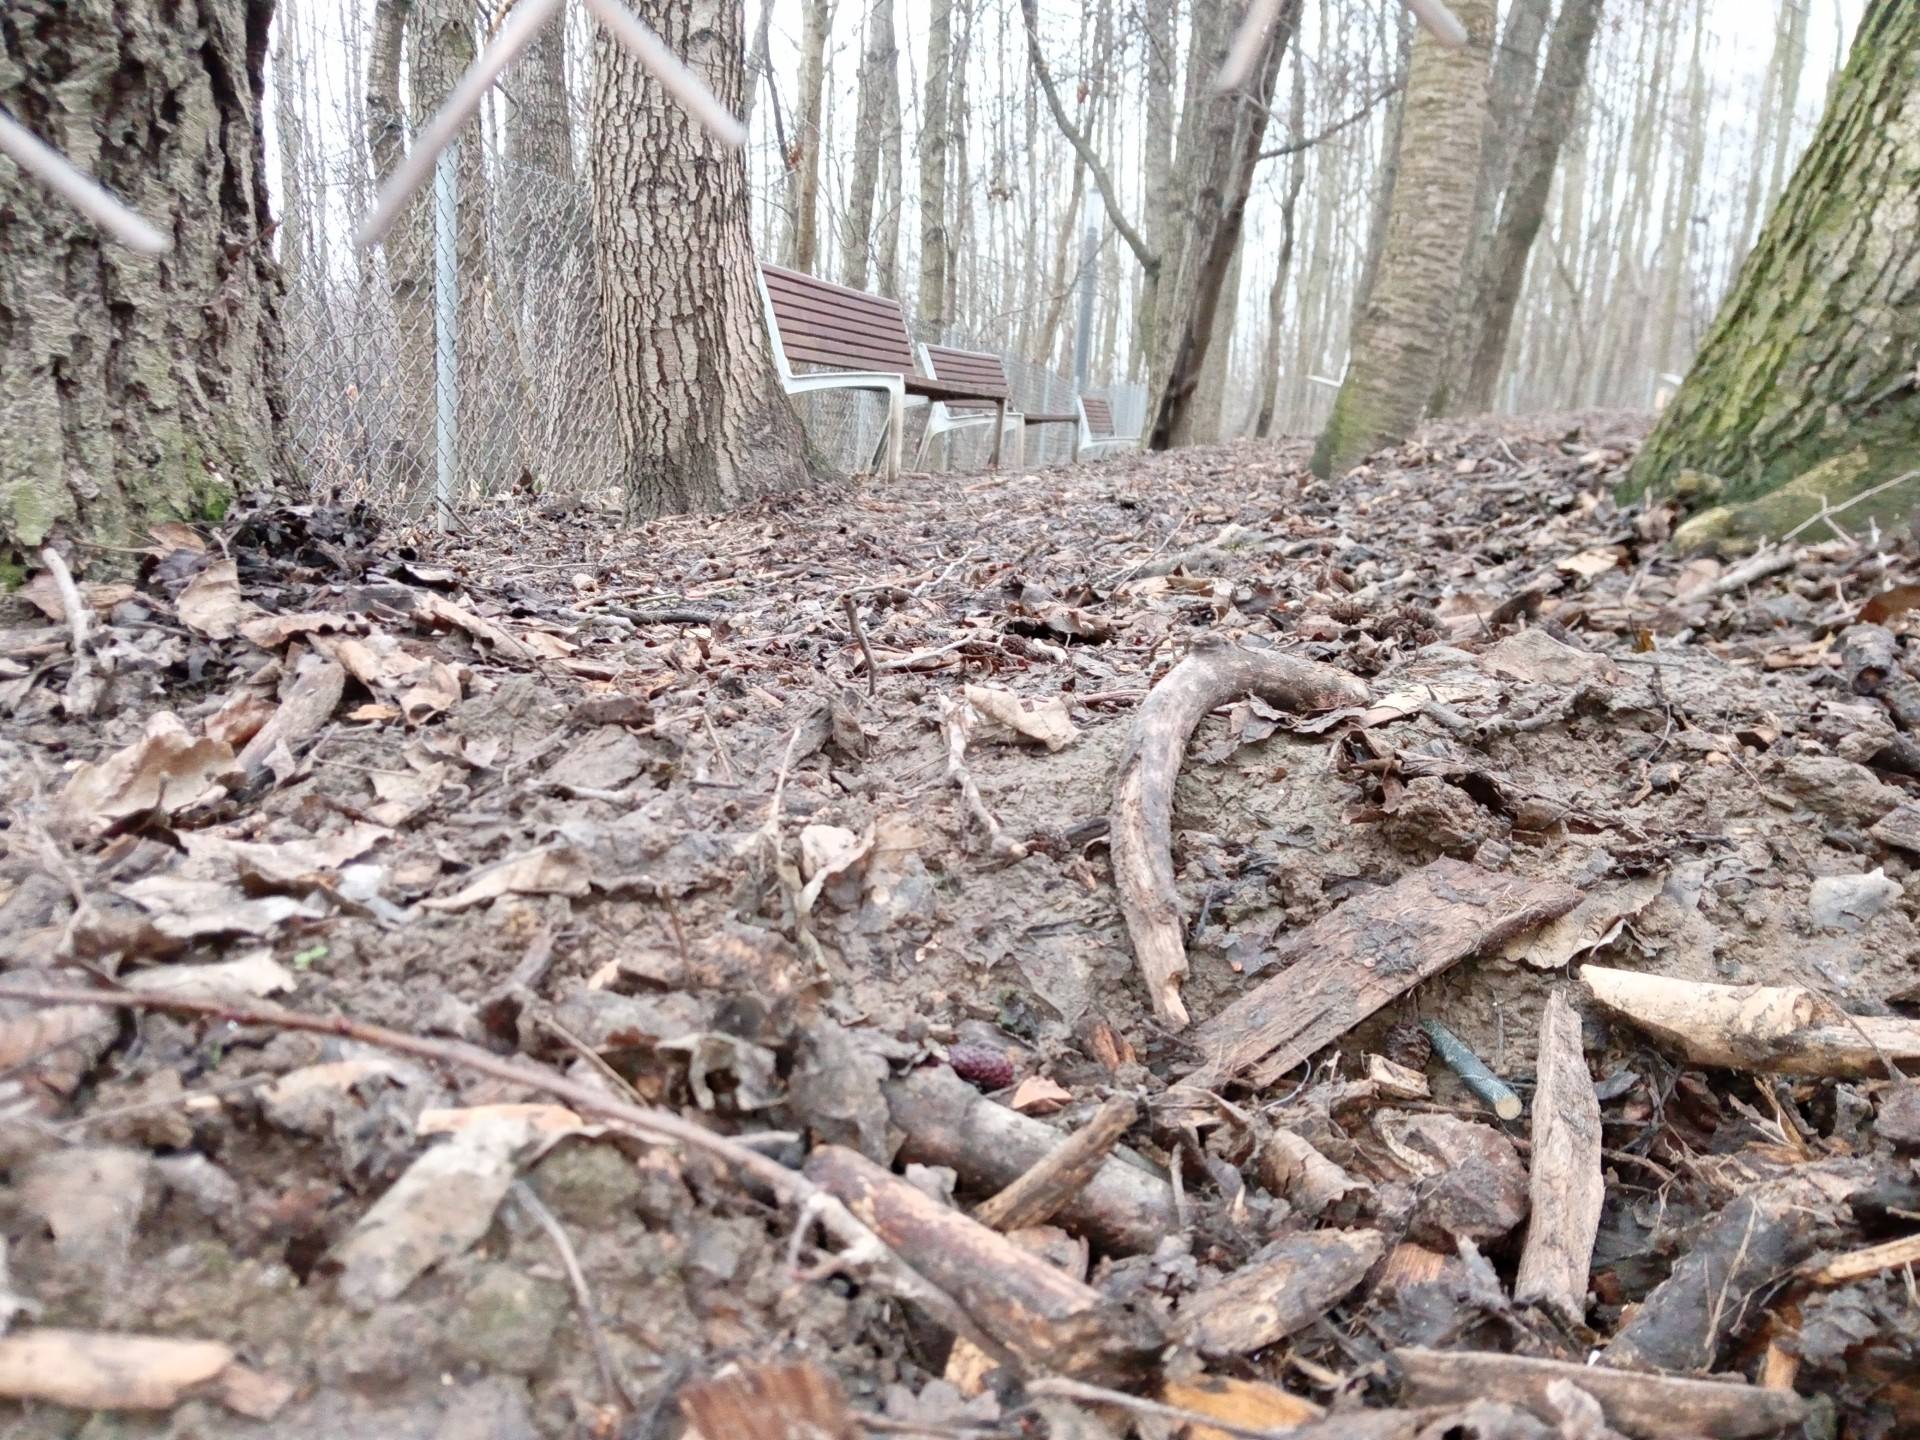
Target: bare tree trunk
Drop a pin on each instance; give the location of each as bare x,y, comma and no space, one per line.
759,62
1510,94
879,76
1234,128
893,192
1389,177
806,136
1804,394
137,389
703,423
933,164
959,198
1400,337
441,46
1283,266
408,460
1562,81
1157,145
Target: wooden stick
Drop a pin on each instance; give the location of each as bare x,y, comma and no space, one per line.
1377,946
1288,1286
1141,828
1045,1189
1781,1029
1045,1318
1474,1073
1715,1292
1858,1264
1566,1183
83,691
1649,1406
947,1122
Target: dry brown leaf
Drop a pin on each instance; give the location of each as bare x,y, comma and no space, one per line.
1589,925
1003,716
212,604
43,592
286,862
428,606
436,691
173,535
540,1119
374,713
1535,656
166,771
95,1370
443,1203
554,870
183,909
1590,563
1889,603
270,632
547,646
1246,1403
1037,1095
254,975
240,718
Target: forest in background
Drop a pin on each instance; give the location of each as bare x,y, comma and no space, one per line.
975,209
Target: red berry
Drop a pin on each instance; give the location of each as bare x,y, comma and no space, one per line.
982,1066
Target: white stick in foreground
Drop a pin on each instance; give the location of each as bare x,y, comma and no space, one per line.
1444,24
77,188
515,35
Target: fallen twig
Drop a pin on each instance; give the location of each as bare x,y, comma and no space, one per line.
1142,811
1047,1187
954,724
83,686
524,1196
658,1125
1474,1072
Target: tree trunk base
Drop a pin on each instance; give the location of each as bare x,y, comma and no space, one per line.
1848,488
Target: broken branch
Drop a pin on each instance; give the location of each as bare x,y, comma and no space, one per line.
1046,1188
1142,812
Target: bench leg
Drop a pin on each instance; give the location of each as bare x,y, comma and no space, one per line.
896,432
999,432
936,412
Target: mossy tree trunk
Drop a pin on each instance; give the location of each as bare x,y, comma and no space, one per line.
1400,335
136,388
1806,391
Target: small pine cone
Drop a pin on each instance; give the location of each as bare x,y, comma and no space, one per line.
981,1066
1407,1044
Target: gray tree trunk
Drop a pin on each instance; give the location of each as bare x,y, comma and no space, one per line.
1283,266
1564,77
879,73
703,422
1400,337
933,164
805,246
137,389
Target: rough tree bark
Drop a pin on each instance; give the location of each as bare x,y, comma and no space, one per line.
703,422
1227,152
409,255
1400,337
879,73
933,165
1806,390
137,388
805,246
1525,206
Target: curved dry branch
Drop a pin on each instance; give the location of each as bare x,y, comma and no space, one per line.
1141,820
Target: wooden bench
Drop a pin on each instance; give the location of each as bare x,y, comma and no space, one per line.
1097,435
862,341
1092,416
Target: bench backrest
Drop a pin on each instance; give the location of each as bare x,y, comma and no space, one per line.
819,323
1099,413
976,369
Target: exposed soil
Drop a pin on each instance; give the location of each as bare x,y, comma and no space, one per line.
676,722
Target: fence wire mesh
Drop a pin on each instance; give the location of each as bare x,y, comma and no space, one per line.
529,380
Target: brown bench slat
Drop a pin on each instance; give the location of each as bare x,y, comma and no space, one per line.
1033,419
970,367
942,390
821,302
1099,414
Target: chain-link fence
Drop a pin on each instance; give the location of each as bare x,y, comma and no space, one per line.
468,351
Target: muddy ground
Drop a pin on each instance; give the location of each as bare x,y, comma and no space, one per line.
644,806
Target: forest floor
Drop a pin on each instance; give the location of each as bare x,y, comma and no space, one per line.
630,806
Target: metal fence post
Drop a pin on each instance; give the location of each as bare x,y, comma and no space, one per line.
446,328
